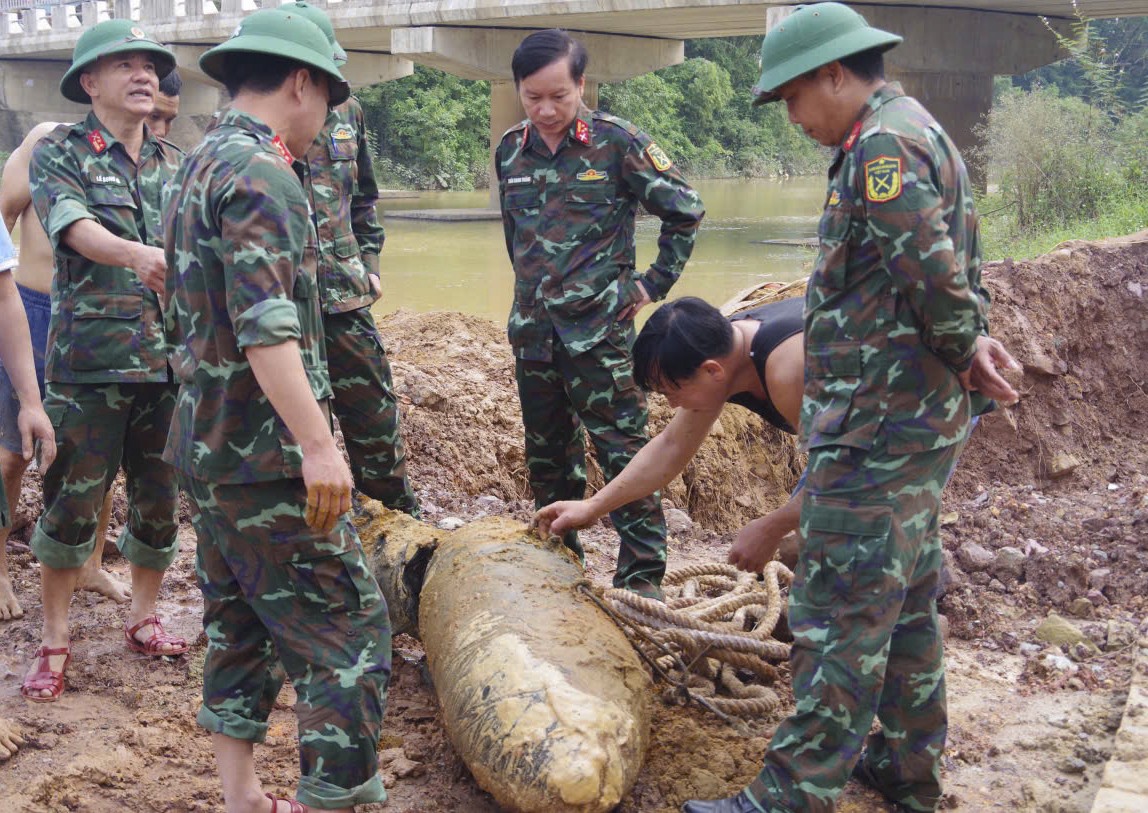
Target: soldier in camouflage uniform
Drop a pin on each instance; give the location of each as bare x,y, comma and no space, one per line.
340,182
895,341
570,182
97,188
282,570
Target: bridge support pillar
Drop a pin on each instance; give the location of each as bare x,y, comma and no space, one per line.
950,56
474,53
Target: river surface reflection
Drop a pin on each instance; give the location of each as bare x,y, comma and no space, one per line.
463,266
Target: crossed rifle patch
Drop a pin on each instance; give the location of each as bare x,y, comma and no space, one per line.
882,179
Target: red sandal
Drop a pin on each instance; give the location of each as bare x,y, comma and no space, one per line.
158,638
45,678
296,807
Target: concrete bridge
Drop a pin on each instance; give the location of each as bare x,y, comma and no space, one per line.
952,48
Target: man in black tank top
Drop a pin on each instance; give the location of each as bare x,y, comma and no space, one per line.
699,361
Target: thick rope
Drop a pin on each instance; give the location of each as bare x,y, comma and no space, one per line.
712,640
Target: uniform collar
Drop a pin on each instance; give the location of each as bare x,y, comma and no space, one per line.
101,141
886,93
581,130
245,121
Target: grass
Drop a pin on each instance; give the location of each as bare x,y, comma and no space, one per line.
1000,238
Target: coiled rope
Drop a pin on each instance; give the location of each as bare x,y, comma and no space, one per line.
712,640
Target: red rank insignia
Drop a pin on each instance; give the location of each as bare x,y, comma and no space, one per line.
582,131
284,153
96,139
852,139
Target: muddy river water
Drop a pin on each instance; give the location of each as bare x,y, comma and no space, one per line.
462,266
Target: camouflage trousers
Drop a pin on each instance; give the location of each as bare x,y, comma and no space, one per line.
866,643
594,389
367,409
274,591
100,427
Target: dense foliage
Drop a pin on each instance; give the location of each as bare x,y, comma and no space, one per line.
1067,146
431,128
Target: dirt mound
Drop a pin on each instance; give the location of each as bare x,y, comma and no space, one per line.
1077,319
454,375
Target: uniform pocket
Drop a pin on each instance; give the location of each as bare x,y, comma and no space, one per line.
845,549
104,331
521,198
111,196
346,246
327,581
834,372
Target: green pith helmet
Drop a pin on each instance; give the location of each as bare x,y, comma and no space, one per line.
279,32
320,18
811,37
111,37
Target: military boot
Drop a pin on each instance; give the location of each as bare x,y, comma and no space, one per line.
735,804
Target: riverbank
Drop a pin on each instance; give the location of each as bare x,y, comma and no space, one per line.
1048,512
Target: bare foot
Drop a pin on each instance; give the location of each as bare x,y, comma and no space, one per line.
9,607
101,581
10,739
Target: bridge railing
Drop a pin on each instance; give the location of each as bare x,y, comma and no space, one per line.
32,17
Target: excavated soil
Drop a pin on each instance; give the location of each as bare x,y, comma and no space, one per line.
1048,512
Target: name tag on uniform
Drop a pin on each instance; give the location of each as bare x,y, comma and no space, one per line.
519,179
106,180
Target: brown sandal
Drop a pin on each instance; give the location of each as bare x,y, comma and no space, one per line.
45,678
158,638
296,807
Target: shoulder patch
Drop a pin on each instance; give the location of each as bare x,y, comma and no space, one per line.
658,157
834,198
882,179
342,132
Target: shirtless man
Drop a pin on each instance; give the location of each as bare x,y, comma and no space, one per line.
34,281
699,361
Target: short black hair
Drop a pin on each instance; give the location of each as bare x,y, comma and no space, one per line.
544,48
678,337
867,65
261,73
171,84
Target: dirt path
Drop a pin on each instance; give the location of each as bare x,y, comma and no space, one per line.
1048,513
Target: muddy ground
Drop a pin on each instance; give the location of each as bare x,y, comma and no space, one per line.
1048,513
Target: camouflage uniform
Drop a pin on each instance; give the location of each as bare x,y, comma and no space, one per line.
109,394
893,311
242,273
569,223
340,181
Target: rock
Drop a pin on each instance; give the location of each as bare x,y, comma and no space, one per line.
450,523
678,522
1062,465
1098,579
951,518
1082,608
1052,663
490,503
1009,564
1034,548
943,626
1096,524
1044,364
1121,635
974,558
1072,765
1059,632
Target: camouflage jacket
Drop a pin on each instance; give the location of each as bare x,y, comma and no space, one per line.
106,326
340,181
895,303
569,223
241,272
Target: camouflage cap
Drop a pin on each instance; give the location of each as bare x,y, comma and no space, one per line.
319,18
813,36
104,39
284,33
